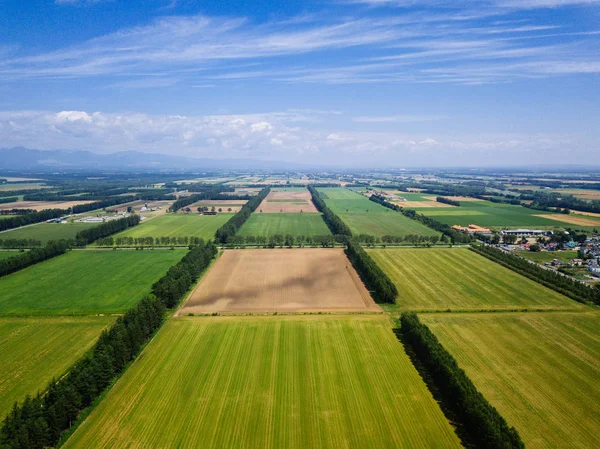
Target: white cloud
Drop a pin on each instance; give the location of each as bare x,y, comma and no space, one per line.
277,136
261,127
73,116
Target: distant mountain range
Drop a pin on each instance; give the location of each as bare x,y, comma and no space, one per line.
20,158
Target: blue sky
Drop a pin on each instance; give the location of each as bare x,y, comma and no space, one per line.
346,82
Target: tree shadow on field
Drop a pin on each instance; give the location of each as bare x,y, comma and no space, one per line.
447,408
314,278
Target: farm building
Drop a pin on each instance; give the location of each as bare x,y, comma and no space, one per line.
472,229
524,232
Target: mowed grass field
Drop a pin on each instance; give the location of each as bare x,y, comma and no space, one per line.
45,232
363,216
7,254
294,224
459,279
548,256
540,370
269,383
84,282
178,225
34,350
488,214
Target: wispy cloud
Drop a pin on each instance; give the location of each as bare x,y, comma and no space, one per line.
511,4
398,118
79,2
460,45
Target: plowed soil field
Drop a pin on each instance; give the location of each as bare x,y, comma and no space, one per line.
282,280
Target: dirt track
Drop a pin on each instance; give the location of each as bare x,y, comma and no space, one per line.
281,280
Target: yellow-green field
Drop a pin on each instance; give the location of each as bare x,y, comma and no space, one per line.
269,383
178,225
34,350
457,278
540,370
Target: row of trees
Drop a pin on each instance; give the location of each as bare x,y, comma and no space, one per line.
38,422
549,201
80,208
10,199
207,192
380,285
481,422
335,224
149,241
25,259
452,234
19,243
226,232
280,240
88,236
558,282
171,288
30,218
441,199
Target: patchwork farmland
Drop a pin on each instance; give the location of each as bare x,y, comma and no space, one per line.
363,216
540,370
269,382
84,282
240,347
459,279
280,280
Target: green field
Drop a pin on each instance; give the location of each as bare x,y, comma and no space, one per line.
22,186
548,256
457,278
269,383
84,282
34,350
488,214
178,225
7,254
45,232
363,216
540,370
293,224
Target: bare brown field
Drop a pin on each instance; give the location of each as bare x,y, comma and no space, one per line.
287,201
245,191
581,193
281,280
41,205
571,219
589,214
